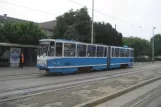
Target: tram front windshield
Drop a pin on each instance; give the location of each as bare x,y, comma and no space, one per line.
43,48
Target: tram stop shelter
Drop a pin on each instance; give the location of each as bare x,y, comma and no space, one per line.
9,54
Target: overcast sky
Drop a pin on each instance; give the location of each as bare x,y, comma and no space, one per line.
144,13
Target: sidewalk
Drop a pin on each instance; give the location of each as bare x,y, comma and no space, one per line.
33,69
16,70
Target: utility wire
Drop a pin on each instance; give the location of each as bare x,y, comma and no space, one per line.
106,14
77,4
31,8
28,8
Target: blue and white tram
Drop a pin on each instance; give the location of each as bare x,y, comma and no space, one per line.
65,56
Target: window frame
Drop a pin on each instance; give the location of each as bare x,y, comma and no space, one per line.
79,51
105,51
118,52
74,51
128,53
49,49
56,49
100,51
92,51
123,53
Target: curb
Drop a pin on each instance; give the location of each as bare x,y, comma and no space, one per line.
116,94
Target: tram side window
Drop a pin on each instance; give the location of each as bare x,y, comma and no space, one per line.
126,52
131,53
105,53
112,53
122,52
116,54
52,46
69,49
59,49
100,51
81,50
91,51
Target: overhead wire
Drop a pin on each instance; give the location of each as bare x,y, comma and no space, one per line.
28,8
108,15
77,4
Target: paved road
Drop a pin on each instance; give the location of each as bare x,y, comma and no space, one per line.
69,97
42,79
30,70
133,97
156,102
4,71
153,101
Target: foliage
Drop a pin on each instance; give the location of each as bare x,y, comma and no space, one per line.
76,25
23,33
157,44
73,25
142,47
2,37
107,35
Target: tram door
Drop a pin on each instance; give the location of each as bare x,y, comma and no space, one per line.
108,57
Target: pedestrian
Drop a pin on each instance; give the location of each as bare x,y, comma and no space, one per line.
21,60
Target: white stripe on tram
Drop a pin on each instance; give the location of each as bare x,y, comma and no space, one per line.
87,65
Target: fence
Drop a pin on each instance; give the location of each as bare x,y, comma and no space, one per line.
146,59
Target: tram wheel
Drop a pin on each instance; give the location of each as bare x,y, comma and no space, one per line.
48,72
61,74
83,69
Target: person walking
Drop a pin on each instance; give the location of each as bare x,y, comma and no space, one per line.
21,60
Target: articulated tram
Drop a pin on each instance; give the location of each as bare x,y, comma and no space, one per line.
68,56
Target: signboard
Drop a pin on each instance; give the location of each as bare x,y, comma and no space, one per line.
14,56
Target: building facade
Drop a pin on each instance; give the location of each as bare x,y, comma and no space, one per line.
9,52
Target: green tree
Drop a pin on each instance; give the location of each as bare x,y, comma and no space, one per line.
141,46
74,25
31,33
105,34
2,36
22,33
157,44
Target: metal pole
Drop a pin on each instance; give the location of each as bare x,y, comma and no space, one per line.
92,21
153,45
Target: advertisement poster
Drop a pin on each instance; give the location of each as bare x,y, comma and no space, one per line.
14,56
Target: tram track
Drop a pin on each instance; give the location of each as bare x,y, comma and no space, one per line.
6,95
147,96
42,75
80,79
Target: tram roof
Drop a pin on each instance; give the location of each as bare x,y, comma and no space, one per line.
73,41
64,40
47,40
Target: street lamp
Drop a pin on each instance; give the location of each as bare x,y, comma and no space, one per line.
92,21
153,45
